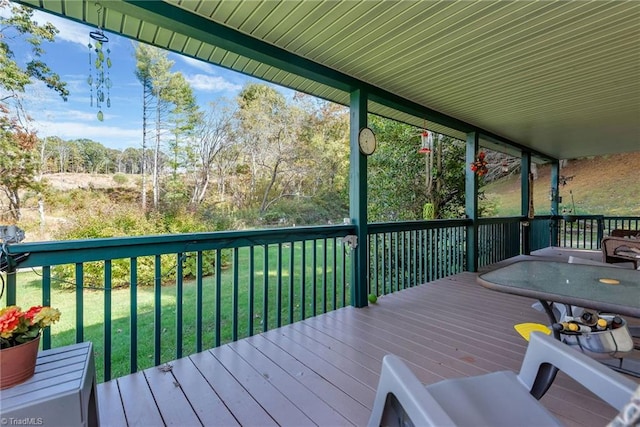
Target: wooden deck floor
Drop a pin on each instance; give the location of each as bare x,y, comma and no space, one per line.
324,370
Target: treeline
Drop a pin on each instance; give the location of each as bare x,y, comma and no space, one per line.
87,156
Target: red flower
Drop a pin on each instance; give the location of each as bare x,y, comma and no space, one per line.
33,312
9,320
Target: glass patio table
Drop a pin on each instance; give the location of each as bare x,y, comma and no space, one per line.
601,288
607,289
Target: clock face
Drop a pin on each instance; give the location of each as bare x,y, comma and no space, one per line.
367,141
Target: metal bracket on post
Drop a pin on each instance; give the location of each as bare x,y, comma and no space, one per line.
350,240
11,234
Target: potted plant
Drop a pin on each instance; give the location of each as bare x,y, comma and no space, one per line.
19,340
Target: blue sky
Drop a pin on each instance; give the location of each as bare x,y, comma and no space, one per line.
121,128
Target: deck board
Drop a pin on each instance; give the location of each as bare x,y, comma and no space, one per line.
140,408
205,402
303,398
110,405
234,395
343,403
324,370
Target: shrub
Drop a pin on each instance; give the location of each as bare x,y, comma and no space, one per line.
123,221
120,178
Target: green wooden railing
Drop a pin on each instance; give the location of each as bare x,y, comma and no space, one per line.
542,229
407,254
188,292
498,239
229,285
582,232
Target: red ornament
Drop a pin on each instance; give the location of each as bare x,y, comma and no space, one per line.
479,166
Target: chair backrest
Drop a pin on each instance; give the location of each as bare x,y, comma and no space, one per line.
578,260
625,233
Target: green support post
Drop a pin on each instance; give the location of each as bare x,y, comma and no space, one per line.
555,201
358,199
471,201
525,191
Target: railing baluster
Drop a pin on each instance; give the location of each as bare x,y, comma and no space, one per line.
157,314
107,320
396,281
303,284
279,286
292,246
265,289
251,294
335,273
46,301
415,251
218,303
386,264
375,280
133,321
234,297
343,253
199,300
79,302
179,308
314,277
324,275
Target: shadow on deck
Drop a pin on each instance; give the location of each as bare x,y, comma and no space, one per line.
324,370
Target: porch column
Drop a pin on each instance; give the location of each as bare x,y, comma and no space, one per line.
471,201
525,190
555,201
358,199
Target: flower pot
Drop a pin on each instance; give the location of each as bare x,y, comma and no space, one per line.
18,363
569,218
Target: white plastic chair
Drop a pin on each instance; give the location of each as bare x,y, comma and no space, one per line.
496,399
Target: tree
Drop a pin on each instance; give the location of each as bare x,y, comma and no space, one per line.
183,118
212,137
145,55
166,96
403,181
18,143
269,130
322,171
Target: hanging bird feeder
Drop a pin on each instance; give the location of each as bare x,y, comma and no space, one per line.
426,142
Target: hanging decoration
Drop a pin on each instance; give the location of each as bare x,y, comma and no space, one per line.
426,141
479,165
101,81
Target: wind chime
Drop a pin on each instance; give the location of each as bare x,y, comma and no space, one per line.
102,63
426,140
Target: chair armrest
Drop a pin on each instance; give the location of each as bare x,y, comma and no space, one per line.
397,379
608,385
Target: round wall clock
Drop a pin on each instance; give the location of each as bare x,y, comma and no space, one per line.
367,141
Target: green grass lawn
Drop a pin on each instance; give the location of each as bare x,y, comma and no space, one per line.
320,291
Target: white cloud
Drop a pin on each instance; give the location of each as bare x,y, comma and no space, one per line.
198,64
69,31
105,133
211,83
